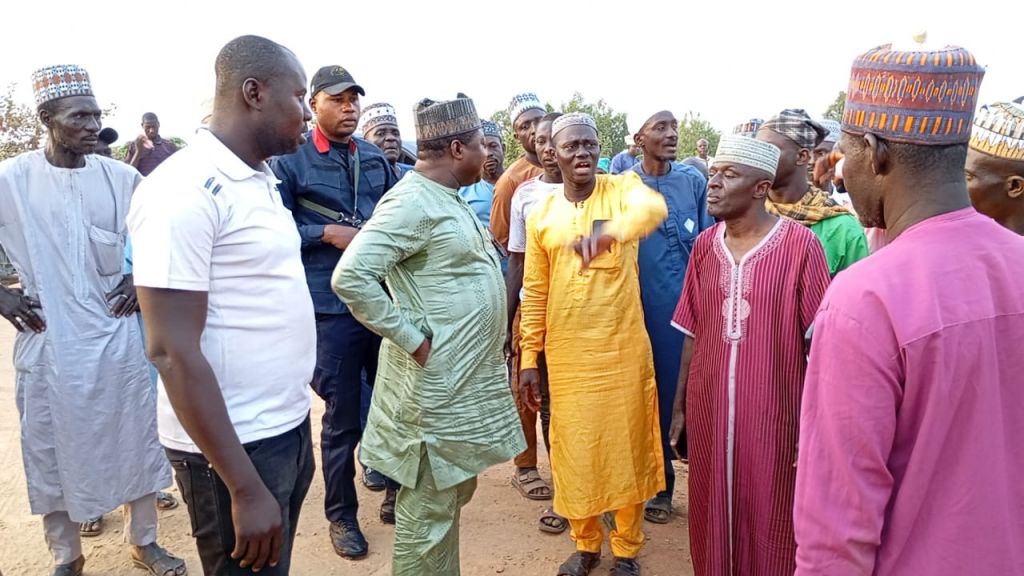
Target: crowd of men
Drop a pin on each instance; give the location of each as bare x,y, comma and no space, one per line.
845,406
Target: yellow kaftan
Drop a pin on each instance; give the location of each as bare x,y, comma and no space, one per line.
605,440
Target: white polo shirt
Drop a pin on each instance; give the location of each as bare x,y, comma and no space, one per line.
205,221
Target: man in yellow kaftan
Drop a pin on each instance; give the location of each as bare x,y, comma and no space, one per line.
582,308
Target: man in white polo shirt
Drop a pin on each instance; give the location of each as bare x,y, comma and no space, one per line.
229,319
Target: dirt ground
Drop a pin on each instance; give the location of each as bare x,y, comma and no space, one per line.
499,534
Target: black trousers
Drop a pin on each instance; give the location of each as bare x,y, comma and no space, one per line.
345,350
285,464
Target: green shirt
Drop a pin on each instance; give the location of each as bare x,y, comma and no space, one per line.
844,241
444,276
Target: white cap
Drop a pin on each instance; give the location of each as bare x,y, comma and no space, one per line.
734,149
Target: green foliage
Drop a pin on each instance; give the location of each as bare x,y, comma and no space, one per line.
611,126
835,110
20,129
691,129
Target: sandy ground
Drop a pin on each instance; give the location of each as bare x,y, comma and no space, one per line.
499,534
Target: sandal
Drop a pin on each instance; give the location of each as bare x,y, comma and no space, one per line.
579,564
658,510
165,501
158,561
387,507
91,528
625,567
71,569
552,523
530,484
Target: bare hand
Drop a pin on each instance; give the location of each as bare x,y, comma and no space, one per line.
339,236
422,353
591,247
122,299
677,430
509,351
143,143
529,388
257,521
19,310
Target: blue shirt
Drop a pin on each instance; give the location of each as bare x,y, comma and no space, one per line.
663,258
479,197
320,172
623,161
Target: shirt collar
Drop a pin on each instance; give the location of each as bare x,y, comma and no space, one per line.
323,145
227,161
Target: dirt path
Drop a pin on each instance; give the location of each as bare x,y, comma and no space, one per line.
499,534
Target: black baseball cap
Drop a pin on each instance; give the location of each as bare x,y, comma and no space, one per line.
334,80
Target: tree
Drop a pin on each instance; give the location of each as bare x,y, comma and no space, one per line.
691,129
20,129
835,110
611,126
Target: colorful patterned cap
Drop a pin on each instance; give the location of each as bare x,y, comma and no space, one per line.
437,120
924,97
999,131
835,129
746,151
572,119
490,129
748,128
376,115
523,102
61,81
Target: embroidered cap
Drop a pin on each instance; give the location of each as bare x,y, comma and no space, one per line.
924,97
61,81
376,115
521,103
746,151
436,120
999,131
572,119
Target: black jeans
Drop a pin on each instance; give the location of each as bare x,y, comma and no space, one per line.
284,463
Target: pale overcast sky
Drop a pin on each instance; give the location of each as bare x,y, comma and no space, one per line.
728,60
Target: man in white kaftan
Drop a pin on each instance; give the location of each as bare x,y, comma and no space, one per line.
88,410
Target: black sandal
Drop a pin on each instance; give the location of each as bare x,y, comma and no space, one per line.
579,564
625,567
658,510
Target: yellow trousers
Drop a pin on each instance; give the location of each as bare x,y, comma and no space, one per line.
627,539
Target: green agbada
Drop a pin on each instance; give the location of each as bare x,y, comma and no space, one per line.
444,277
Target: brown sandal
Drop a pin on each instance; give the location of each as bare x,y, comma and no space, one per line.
552,523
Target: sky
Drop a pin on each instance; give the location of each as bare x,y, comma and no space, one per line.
727,60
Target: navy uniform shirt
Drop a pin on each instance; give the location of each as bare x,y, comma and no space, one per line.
321,171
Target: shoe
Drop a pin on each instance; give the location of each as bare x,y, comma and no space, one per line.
348,540
387,507
72,569
373,480
625,567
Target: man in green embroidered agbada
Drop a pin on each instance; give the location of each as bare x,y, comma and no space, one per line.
442,410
